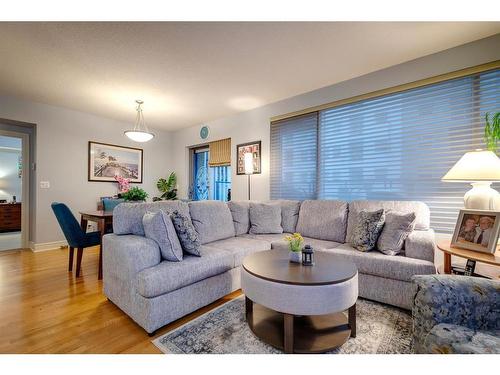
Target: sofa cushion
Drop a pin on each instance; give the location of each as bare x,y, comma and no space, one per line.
241,216
289,214
212,220
323,220
159,227
420,208
265,218
315,244
377,264
366,230
240,247
396,229
127,217
271,237
169,276
188,237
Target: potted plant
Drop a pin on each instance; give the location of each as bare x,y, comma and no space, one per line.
492,131
135,194
295,242
168,188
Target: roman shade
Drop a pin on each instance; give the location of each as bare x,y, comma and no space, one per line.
392,147
220,153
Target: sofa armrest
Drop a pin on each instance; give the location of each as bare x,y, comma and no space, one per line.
125,255
471,302
420,244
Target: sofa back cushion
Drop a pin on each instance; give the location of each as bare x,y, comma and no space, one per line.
323,220
241,216
265,218
127,217
421,210
289,215
212,220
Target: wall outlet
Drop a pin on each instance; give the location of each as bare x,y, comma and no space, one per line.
44,184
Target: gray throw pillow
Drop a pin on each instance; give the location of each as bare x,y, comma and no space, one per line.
159,227
366,229
265,218
397,228
186,233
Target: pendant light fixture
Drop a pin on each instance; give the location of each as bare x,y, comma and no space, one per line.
140,133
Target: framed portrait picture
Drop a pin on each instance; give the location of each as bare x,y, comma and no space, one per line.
106,161
241,150
477,230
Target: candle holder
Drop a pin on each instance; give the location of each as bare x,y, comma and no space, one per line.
307,256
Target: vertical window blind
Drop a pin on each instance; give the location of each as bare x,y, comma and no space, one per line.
394,147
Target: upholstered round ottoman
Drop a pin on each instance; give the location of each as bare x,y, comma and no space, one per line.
296,308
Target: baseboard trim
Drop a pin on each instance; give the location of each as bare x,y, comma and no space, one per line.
46,246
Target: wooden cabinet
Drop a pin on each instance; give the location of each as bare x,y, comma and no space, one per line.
10,217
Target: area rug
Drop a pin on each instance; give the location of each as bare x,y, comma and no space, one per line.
381,329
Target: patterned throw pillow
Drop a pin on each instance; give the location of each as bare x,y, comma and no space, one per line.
188,236
366,229
397,228
158,226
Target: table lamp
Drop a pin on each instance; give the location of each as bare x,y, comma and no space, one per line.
480,168
248,159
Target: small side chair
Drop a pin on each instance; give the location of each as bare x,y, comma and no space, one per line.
75,235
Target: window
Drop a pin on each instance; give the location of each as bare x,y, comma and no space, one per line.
294,157
208,182
394,147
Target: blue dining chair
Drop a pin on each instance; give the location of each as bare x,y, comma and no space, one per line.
75,235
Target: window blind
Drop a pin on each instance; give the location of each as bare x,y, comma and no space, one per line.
293,163
398,146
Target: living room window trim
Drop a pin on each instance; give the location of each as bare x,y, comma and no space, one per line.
392,90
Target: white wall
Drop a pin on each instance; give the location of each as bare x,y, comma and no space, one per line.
62,149
10,183
254,125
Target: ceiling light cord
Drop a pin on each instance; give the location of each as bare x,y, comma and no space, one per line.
140,133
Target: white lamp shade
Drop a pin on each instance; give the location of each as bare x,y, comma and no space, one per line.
248,159
139,136
475,166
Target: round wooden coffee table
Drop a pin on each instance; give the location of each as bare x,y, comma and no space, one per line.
300,309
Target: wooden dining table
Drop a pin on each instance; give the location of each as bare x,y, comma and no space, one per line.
103,220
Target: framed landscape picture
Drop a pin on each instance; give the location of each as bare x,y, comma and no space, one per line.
106,161
241,150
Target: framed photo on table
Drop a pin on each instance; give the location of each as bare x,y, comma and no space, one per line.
477,230
241,150
107,160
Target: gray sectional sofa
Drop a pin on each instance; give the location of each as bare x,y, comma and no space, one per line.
155,292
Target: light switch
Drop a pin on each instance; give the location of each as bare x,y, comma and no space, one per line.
44,184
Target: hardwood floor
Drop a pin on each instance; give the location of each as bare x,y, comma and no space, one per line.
46,309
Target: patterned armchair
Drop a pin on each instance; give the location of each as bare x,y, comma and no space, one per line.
456,314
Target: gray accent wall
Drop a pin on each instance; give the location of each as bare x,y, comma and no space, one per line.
254,124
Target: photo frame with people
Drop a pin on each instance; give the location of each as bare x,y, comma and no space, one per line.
477,230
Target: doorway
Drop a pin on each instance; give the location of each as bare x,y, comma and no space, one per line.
208,183
14,190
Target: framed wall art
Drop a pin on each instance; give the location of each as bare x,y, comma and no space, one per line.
241,150
107,160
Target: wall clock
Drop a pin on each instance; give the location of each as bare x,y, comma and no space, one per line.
204,132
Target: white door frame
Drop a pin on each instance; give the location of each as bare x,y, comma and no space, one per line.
25,181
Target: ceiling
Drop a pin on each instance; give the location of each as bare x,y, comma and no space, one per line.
191,73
